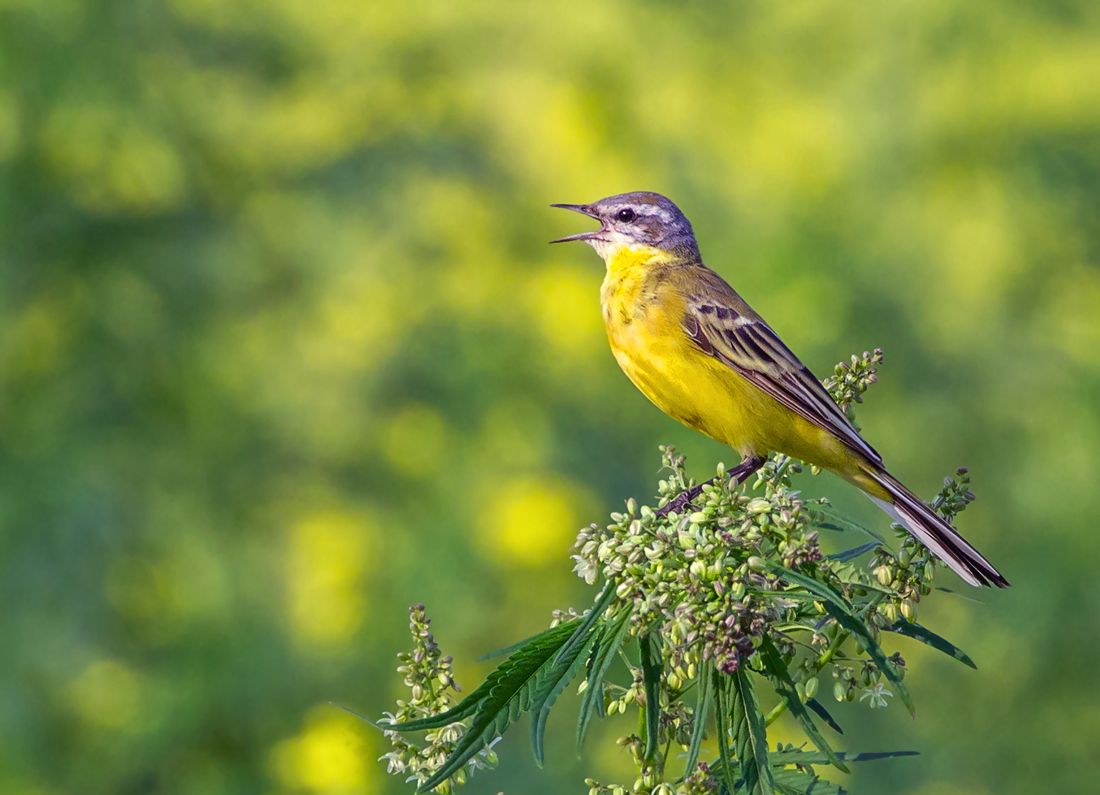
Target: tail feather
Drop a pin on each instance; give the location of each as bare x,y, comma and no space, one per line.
934,532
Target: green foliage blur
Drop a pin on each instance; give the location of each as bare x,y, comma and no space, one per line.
283,351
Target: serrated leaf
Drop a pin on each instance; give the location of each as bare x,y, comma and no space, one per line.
839,522
723,711
798,756
552,680
580,634
750,736
510,689
823,713
863,636
650,648
781,679
703,701
960,595
816,587
854,552
519,644
553,637
930,638
792,781
603,653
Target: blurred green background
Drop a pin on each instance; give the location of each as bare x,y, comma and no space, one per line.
283,350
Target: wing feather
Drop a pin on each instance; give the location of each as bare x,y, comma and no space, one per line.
743,341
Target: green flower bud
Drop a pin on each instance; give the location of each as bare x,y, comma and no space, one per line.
698,517
840,691
811,687
758,505
756,563
883,574
909,609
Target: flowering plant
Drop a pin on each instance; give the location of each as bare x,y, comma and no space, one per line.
702,608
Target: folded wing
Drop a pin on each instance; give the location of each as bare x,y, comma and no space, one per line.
735,335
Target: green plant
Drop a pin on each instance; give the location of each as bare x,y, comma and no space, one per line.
701,610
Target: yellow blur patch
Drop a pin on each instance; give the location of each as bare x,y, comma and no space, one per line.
110,161
106,695
801,146
37,341
326,559
532,521
564,304
514,433
414,441
1069,322
329,757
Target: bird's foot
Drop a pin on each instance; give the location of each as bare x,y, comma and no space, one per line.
682,500
739,474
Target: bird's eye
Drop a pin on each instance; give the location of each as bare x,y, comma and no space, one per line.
626,215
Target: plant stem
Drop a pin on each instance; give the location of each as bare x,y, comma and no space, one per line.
822,661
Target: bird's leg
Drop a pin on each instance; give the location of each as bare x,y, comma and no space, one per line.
739,474
683,499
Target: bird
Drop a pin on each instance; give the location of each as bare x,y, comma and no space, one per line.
692,345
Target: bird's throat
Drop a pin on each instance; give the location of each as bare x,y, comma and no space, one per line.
624,258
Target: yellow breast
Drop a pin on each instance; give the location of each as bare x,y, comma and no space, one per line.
643,309
643,298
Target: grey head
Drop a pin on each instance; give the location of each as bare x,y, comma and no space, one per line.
641,218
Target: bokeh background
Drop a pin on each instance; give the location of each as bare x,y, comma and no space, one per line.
283,350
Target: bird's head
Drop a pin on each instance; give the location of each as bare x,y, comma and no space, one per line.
641,219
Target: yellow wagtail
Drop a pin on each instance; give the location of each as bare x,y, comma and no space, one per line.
695,348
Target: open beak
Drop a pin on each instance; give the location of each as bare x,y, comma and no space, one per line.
583,209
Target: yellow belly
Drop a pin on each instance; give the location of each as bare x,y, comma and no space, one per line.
654,351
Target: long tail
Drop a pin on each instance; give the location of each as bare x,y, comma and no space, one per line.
934,532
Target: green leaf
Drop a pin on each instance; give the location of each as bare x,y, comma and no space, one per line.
519,644
930,638
612,634
650,648
580,634
816,587
797,756
792,781
781,678
842,524
552,638
823,713
865,639
749,735
510,690
699,728
552,680
854,552
723,709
